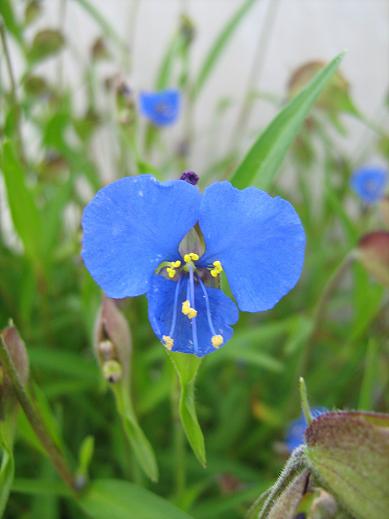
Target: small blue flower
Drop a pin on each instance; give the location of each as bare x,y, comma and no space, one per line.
295,434
162,108
369,183
140,238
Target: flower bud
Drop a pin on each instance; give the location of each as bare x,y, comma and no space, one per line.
112,341
98,51
112,371
349,453
17,351
373,253
32,11
45,44
335,97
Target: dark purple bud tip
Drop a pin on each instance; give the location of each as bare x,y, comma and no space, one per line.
191,177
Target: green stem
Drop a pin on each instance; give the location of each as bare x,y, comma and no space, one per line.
35,419
179,442
304,401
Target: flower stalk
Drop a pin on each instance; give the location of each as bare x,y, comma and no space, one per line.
35,419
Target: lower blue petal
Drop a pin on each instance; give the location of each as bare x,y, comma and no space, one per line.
259,240
131,226
161,298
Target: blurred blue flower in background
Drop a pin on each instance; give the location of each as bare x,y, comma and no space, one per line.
369,183
161,108
295,434
134,244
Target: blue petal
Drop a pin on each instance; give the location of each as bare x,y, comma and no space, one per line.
369,183
161,298
131,226
259,240
161,108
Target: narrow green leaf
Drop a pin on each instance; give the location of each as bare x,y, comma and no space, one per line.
264,158
120,500
186,367
216,51
366,397
7,467
24,212
140,444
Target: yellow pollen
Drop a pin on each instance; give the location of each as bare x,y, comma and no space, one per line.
191,256
171,268
187,310
217,269
168,342
217,340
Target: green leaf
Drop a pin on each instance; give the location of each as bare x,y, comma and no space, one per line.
24,212
10,21
216,51
264,158
140,444
370,376
120,500
186,367
7,467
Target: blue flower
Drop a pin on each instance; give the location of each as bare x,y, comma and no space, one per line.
295,434
161,108
369,183
170,242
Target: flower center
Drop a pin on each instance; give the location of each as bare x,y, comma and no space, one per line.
192,274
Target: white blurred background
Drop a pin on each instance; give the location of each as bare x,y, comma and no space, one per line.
282,33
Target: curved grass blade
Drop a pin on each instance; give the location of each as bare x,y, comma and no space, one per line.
263,160
118,499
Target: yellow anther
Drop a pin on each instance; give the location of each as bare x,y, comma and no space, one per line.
217,269
185,307
188,310
217,340
176,264
168,342
192,313
191,256
171,272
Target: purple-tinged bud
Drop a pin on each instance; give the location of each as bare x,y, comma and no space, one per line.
373,253
98,50
32,11
18,353
349,454
46,43
190,176
112,341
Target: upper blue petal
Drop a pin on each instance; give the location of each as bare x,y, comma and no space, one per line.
131,226
161,298
259,240
369,183
161,108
